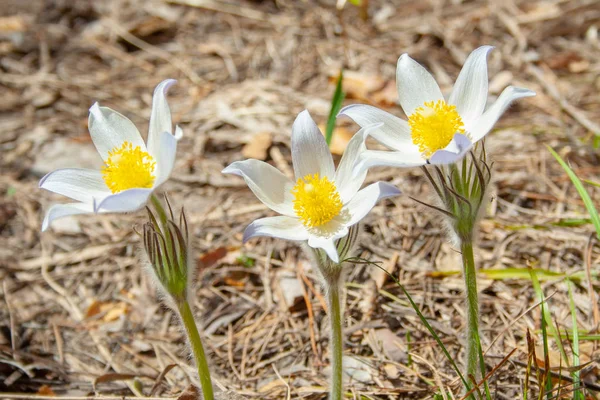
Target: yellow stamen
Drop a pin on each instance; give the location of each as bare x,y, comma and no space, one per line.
433,126
316,200
128,167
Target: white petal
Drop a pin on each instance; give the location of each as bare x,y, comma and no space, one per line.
376,158
327,244
470,91
160,118
109,130
125,201
165,158
456,150
346,181
281,227
415,85
310,153
395,132
366,199
491,115
267,183
83,185
64,210
178,132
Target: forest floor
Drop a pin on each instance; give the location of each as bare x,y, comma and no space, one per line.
78,315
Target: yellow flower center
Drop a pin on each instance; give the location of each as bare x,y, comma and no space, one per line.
433,126
128,167
316,200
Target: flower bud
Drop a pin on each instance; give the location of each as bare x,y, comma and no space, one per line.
166,244
461,189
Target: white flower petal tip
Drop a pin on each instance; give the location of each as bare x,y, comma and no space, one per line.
519,92
232,169
395,132
310,152
489,118
268,184
327,245
126,201
456,150
64,210
164,86
78,184
415,85
160,117
178,132
281,227
470,90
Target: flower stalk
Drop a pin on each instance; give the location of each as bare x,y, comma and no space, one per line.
167,246
461,189
331,274
197,349
335,315
473,341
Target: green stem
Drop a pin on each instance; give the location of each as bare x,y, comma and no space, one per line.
473,343
335,315
194,337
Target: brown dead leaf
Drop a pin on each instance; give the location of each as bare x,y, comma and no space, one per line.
553,356
190,393
113,377
391,371
45,390
562,60
209,259
93,309
358,85
387,96
111,310
579,66
391,344
258,146
379,276
13,24
149,26
114,311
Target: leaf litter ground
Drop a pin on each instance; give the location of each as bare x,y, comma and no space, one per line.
78,316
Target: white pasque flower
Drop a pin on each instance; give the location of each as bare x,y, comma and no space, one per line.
322,203
437,131
132,170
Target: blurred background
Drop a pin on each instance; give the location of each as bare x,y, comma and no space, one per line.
78,316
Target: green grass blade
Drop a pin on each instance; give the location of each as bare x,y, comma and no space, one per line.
547,380
581,190
546,316
577,395
336,105
597,184
518,273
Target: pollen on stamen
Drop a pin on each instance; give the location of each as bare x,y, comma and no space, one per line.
316,200
128,167
434,125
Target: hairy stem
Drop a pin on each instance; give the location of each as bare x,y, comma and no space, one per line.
194,337
473,343
335,315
